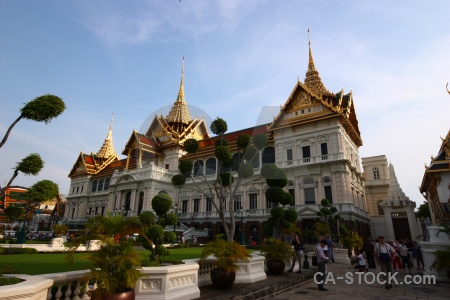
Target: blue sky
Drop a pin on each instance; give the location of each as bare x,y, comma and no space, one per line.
124,57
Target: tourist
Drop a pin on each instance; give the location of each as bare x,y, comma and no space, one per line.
417,254
330,248
396,260
297,244
383,256
368,249
361,266
404,254
321,261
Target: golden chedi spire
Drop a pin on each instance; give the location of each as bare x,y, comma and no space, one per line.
179,113
107,149
312,79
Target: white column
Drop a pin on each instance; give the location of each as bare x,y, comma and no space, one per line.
412,222
388,222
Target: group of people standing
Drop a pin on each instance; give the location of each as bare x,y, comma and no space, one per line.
385,254
398,254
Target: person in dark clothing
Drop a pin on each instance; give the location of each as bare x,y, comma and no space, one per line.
297,243
368,249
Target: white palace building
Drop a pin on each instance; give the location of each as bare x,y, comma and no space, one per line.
314,138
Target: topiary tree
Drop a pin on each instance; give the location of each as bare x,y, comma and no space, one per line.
222,190
161,204
40,109
30,165
330,217
281,218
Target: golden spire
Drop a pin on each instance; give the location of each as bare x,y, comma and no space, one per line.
180,112
312,79
107,149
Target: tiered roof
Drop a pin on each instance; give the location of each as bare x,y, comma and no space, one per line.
313,93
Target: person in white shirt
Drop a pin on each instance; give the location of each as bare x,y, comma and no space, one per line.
321,261
361,266
383,255
405,256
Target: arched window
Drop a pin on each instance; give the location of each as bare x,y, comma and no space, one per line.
255,162
128,201
376,173
94,186
309,190
268,155
100,185
211,166
198,168
107,181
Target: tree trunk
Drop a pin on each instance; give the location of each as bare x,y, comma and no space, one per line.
9,130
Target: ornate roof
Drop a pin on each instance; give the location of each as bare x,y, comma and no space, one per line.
180,112
107,149
312,79
305,102
90,164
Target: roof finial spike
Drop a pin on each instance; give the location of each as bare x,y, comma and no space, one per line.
181,91
111,123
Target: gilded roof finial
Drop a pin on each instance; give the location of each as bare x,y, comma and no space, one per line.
312,79
180,112
107,149
311,66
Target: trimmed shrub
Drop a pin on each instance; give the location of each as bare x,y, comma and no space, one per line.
288,199
243,140
219,126
245,171
178,180
275,194
260,141
185,166
277,212
161,203
191,145
290,215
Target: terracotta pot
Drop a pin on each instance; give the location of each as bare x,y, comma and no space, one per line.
275,267
222,279
129,295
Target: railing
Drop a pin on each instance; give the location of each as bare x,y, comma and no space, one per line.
70,285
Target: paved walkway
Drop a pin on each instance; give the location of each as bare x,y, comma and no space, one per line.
339,289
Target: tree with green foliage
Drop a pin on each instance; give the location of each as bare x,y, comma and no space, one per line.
162,204
329,216
30,165
13,213
423,211
281,218
40,109
222,190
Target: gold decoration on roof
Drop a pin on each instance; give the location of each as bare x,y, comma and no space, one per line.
312,79
180,112
107,149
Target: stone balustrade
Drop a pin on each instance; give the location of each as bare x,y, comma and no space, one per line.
69,285
248,272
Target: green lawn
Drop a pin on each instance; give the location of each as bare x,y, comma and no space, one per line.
34,264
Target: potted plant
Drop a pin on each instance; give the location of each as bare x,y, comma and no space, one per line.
276,253
116,266
442,261
227,254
